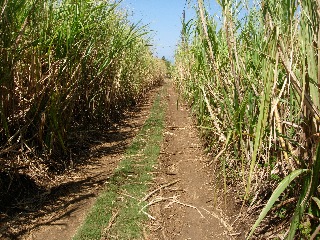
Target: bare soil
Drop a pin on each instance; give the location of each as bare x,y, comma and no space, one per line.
186,206
188,209
56,212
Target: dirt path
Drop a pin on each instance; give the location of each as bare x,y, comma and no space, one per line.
186,209
62,209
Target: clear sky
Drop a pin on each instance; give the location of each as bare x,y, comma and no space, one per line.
164,17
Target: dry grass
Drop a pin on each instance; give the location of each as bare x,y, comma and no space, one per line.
64,66
253,82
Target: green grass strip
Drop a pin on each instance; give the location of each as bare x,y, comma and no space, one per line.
116,213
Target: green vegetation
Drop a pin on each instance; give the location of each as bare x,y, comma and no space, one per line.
118,212
168,66
65,65
253,82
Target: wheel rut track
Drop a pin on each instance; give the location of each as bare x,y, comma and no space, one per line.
188,212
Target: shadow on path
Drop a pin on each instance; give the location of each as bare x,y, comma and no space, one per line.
95,154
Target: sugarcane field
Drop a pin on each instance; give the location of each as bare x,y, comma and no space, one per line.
159,119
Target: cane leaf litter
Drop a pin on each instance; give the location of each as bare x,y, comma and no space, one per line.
71,69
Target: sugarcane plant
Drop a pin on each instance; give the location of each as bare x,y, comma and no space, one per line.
253,81
65,65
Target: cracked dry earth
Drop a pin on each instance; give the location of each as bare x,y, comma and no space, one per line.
185,209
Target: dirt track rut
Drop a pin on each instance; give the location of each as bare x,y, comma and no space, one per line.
189,212
186,209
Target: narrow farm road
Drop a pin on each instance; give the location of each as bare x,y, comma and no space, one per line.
182,204
185,209
66,206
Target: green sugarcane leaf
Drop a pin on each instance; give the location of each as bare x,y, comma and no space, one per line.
317,201
308,189
275,195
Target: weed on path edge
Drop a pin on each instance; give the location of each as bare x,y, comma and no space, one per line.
119,212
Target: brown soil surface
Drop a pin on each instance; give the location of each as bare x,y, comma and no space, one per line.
184,207
57,213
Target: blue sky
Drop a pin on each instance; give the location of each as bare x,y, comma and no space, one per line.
164,17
